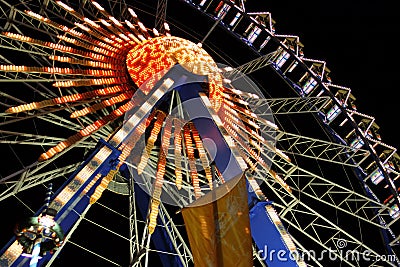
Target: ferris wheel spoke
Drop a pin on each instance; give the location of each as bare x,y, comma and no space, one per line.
365,209
318,241
18,138
314,149
27,180
248,67
55,10
337,196
21,47
173,194
118,9
321,150
317,223
44,74
30,78
134,247
22,18
161,14
327,192
181,249
41,89
13,43
68,236
343,198
180,246
291,105
358,213
52,118
83,248
35,167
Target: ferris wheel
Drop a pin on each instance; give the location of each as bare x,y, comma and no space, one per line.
182,133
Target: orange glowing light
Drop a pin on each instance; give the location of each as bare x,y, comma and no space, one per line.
115,59
159,54
191,159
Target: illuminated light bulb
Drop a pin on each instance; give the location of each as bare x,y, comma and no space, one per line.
166,26
132,12
66,7
249,162
134,38
88,82
93,181
246,147
102,186
191,160
252,123
86,131
105,23
268,123
92,23
203,156
123,36
115,21
17,37
156,33
256,144
257,136
178,153
282,155
114,37
98,6
142,27
102,105
157,190
81,26
167,31
67,39
280,181
150,142
153,216
167,134
108,40
256,188
36,16
130,25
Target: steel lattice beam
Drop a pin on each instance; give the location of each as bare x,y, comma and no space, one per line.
292,105
249,67
161,14
321,150
27,180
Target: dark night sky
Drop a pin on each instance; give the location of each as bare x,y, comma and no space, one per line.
357,40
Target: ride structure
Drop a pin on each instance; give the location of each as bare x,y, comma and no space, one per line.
158,120
41,234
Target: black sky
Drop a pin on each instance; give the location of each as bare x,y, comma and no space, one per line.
357,39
